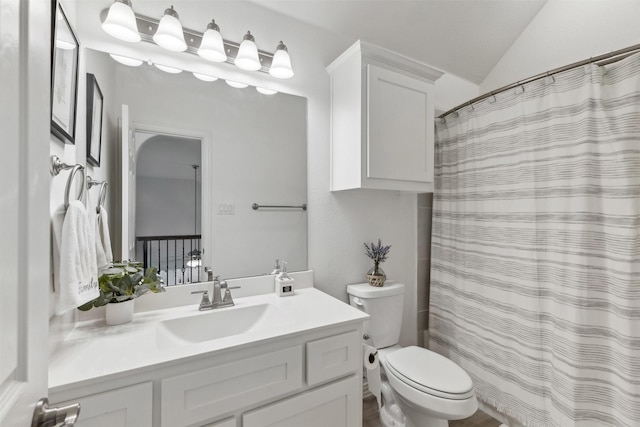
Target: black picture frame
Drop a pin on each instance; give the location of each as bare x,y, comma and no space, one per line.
64,76
95,108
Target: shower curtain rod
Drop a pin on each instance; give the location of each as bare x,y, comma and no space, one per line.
628,51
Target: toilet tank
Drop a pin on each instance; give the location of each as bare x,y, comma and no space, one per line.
384,304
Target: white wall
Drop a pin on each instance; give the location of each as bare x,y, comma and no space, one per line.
76,153
339,223
567,31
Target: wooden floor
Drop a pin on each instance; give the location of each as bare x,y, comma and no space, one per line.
370,417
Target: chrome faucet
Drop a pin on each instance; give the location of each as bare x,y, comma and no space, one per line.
218,301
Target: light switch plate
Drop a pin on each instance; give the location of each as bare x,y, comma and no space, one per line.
226,208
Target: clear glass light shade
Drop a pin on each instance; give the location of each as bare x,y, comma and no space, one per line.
281,64
266,91
168,69
235,84
125,60
247,58
193,263
205,77
212,46
121,22
169,34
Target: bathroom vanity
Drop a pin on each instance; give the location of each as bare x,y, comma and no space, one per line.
267,361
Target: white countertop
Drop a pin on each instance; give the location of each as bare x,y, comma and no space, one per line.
94,350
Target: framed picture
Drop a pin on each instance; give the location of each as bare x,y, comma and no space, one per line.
64,76
94,120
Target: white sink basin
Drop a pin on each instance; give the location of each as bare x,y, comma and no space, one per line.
219,323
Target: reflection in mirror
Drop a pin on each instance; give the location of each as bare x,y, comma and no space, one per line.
168,195
252,148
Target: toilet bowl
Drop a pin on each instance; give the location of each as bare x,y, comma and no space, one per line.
428,388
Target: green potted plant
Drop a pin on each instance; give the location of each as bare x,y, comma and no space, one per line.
119,286
378,253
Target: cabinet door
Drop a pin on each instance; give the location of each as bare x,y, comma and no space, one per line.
337,405
124,407
400,126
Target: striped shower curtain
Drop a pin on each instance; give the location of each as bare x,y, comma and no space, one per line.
535,276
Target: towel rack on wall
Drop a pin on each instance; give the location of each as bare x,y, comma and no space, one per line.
58,166
103,190
256,206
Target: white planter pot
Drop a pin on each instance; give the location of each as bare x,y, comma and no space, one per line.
119,313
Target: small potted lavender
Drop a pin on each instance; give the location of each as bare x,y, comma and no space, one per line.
378,253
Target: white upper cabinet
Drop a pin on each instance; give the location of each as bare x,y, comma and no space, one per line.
382,125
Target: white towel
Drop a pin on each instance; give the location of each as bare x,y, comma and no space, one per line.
94,226
105,236
78,276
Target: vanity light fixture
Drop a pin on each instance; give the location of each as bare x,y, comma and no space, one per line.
235,84
247,58
125,60
204,77
169,34
121,22
266,91
212,46
167,69
281,64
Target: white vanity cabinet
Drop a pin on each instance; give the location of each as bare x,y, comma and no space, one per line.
311,379
382,121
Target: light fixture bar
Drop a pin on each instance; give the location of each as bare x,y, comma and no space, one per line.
147,28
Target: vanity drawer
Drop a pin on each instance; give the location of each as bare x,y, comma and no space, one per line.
125,407
197,396
333,357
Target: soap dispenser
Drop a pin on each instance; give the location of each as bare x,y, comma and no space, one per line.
284,282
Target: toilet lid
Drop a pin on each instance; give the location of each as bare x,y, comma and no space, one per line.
430,372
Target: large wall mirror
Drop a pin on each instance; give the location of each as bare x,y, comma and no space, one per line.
200,155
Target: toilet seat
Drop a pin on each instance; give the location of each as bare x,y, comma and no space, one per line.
429,373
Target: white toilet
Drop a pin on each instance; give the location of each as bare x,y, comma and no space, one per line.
429,388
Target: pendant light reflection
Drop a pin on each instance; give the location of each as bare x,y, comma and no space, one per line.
169,34
235,84
195,259
124,60
281,64
205,77
121,22
247,58
212,46
266,91
167,69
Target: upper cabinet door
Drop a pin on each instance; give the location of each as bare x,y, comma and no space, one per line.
400,126
382,125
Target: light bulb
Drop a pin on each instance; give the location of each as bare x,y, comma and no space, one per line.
168,69
247,58
235,84
205,77
131,62
121,22
281,64
212,46
169,34
266,91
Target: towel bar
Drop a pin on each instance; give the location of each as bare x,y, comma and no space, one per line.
103,191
